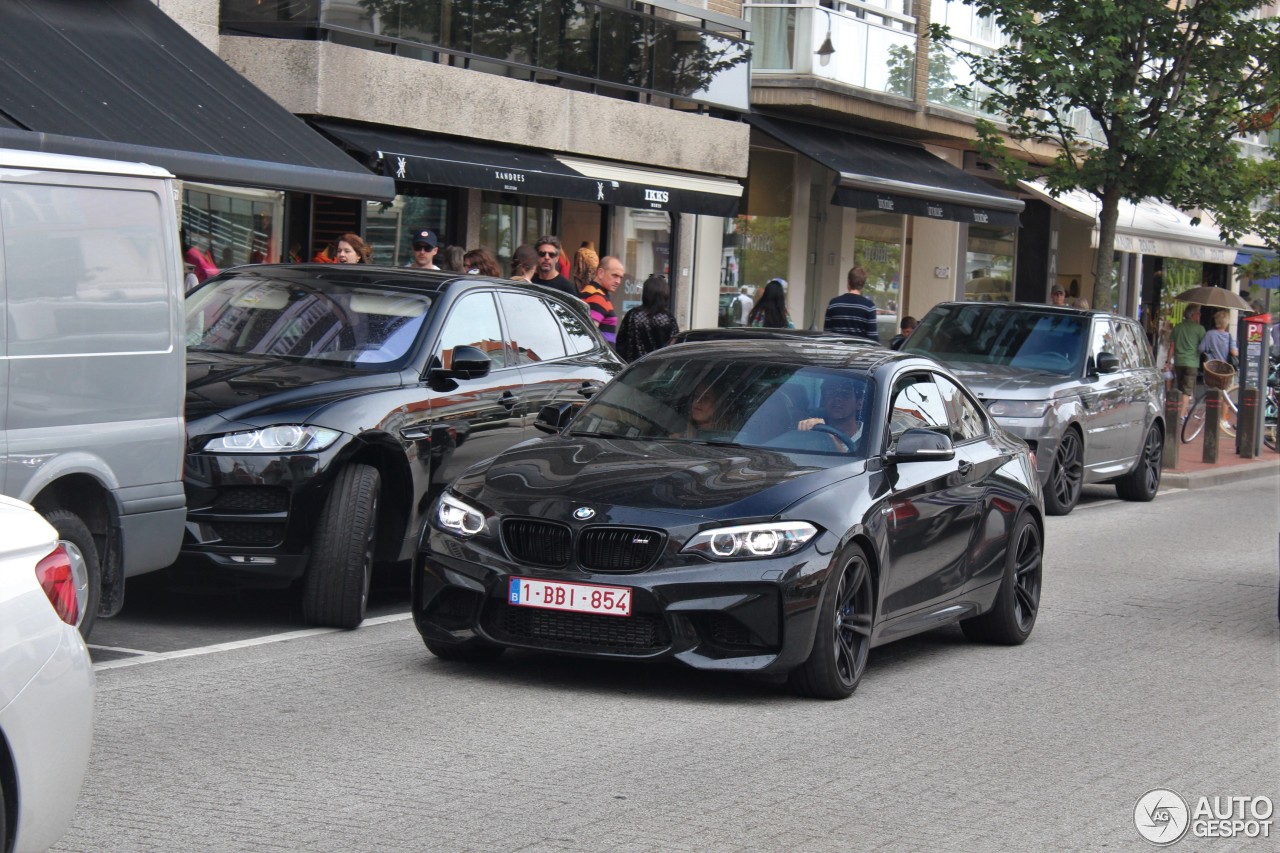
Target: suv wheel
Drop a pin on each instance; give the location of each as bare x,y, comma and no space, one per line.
335,590
1142,483
1062,492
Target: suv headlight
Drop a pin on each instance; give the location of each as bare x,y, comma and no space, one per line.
748,541
1017,408
458,516
289,438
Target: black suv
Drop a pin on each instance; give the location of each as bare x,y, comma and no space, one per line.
327,406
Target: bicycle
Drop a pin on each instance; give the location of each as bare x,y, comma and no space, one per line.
1193,422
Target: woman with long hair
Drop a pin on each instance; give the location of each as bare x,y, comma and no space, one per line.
649,326
450,258
524,263
584,266
770,310
352,250
480,261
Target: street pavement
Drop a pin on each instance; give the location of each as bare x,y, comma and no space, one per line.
1155,663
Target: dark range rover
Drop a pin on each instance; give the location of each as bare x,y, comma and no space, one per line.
327,405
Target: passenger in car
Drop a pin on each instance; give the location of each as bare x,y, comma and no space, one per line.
704,411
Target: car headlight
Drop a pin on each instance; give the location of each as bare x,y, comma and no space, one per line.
1018,408
289,438
458,516
747,541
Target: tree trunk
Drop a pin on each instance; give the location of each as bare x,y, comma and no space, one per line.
1103,265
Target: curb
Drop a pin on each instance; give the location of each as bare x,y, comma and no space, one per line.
1219,476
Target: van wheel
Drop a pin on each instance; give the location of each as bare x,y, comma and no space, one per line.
74,535
335,590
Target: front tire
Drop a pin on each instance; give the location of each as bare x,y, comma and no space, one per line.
1142,483
1062,492
843,639
335,591
74,535
1011,618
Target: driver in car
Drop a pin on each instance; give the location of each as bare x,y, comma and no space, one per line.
841,404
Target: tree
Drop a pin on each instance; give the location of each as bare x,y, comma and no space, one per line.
1168,84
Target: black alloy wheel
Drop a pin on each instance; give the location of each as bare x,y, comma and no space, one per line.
1142,483
843,639
1013,615
1062,492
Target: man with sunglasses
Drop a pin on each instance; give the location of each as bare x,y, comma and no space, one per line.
548,272
425,246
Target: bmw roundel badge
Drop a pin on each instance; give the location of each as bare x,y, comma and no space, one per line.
584,513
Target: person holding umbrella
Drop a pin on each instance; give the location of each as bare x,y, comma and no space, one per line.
1184,351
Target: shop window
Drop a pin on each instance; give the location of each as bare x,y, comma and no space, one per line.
989,264
389,226
235,226
508,220
644,240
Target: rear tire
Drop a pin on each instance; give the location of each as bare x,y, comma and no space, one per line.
843,638
74,533
335,591
1011,618
1062,492
1142,483
468,651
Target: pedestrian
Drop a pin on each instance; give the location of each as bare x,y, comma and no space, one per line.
1184,351
480,261
906,327
425,244
1080,302
770,310
1217,341
352,250
524,263
450,259
548,271
852,313
1058,295
649,326
598,296
201,259
585,261
742,304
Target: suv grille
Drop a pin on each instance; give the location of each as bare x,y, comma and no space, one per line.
538,543
252,499
555,629
619,549
248,534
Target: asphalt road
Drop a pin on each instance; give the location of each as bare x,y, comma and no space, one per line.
1155,664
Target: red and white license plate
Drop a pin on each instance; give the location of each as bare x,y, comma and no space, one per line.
578,597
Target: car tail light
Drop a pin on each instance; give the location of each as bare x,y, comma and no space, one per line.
58,582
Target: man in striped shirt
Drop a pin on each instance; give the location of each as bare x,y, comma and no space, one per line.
852,313
597,295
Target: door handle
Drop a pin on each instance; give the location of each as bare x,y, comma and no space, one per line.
589,389
965,468
508,400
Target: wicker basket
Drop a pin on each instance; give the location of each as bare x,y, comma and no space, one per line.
1218,374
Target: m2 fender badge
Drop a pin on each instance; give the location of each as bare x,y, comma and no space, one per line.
584,513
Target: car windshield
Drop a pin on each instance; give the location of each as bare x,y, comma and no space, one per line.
1050,341
322,321
727,400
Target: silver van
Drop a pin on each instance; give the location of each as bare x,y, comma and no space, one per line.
92,363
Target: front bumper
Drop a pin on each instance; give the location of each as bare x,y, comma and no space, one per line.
747,616
1041,436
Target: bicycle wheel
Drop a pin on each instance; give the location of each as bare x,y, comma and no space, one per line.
1193,423
1270,415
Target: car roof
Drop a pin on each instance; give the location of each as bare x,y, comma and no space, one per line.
372,275
819,353
1028,306
751,333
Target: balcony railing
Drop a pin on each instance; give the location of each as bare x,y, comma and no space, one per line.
663,52
874,44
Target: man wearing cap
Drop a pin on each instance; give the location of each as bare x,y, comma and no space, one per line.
548,271
425,246
1058,295
852,313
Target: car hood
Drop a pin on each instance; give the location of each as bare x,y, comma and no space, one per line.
999,382
545,476
240,388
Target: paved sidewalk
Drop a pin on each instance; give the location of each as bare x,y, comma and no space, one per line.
1191,472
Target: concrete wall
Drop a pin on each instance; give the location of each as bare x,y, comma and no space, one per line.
198,17
934,243
319,78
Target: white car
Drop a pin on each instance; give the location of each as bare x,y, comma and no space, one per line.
46,682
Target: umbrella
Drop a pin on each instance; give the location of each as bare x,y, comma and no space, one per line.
1215,297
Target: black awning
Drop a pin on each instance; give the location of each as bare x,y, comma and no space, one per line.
422,159
122,80
876,174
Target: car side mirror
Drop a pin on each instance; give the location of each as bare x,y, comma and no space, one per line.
470,363
922,445
1106,363
555,417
